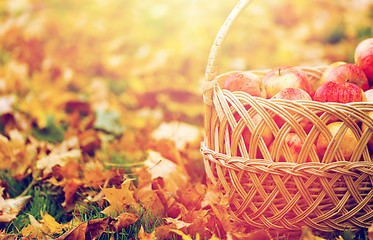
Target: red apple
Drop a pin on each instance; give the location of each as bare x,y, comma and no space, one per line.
341,92
295,145
247,82
327,72
349,73
364,58
292,94
285,77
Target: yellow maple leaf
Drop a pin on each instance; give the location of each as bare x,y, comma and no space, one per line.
50,225
46,226
120,199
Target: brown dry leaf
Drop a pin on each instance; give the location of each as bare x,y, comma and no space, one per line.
89,141
71,188
9,208
120,199
149,199
191,196
172,207
87,230
71,170
174,175
124,220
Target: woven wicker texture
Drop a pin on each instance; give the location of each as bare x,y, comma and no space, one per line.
269,186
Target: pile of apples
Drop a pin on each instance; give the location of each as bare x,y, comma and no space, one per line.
341,82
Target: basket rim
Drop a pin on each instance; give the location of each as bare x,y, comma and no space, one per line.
318,169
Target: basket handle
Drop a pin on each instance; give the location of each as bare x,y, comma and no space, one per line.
212,64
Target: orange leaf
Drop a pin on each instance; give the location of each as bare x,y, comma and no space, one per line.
87,230
71,188
150,200
124,220
174,175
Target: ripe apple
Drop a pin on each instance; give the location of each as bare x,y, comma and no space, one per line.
349,73
341,92
295,145
347,144
292,93
364,57
285,77
327,72
364,128
247,82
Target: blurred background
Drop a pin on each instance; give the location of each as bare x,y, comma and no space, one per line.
131,55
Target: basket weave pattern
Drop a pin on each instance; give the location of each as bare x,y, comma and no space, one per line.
267,187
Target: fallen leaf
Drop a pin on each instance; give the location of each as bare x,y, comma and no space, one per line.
89,141
9,208
50,226
191,196
71,189
142,235
16,153
174,176
182,134
34,230
124,220
58,158
172,207
149,199
120,200
91,229
109,122
308,235
183,235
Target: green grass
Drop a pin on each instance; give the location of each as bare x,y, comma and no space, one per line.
45,198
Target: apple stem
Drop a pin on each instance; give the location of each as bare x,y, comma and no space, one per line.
347,79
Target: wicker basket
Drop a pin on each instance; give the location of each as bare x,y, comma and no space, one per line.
327,195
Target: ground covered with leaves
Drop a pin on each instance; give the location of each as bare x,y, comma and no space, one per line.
102,114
